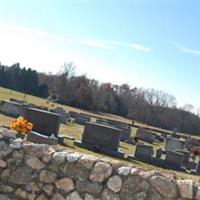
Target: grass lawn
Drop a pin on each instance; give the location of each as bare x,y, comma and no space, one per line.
76,130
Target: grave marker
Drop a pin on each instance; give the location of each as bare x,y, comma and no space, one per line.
186,155
82,119
102,138
174,144
44,122
10,108
174,159
143,151
125,129
62,113
144,135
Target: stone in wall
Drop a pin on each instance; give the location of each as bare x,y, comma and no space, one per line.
40,172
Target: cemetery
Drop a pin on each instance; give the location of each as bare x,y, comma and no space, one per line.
99,100
104,137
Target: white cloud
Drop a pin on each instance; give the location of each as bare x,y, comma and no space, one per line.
119,43
140,47
34,31
112,44
185,49
97,44
134,46
41,33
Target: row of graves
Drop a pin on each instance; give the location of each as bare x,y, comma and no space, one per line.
104,136
15,108
46,122
176,153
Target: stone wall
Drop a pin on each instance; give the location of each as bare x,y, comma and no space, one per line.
40,172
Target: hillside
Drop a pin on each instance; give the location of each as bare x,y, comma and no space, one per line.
76,130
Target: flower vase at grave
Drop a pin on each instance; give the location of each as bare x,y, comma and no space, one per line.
22,127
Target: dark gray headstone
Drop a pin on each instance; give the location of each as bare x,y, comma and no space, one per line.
44,122
101,135
174,144
186,155
125,133
143,151
125,129
101,138
62,113
174,159
82,119
10,108
144,135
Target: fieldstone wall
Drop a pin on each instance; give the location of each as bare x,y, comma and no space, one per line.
41,172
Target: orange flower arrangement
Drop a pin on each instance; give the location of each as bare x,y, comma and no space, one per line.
21,125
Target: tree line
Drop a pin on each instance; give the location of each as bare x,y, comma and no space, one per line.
22,80
149,106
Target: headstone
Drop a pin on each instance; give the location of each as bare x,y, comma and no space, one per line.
62,113
82,119
125,129
174,144
10,108
144,135
143,151
125,132
186,155
41,139
73,114
102,138
44,122
174,159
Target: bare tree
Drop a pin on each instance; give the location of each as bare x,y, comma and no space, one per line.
157,102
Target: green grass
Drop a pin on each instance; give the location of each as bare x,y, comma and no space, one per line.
76,130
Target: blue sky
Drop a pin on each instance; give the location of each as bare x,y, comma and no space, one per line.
142,43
